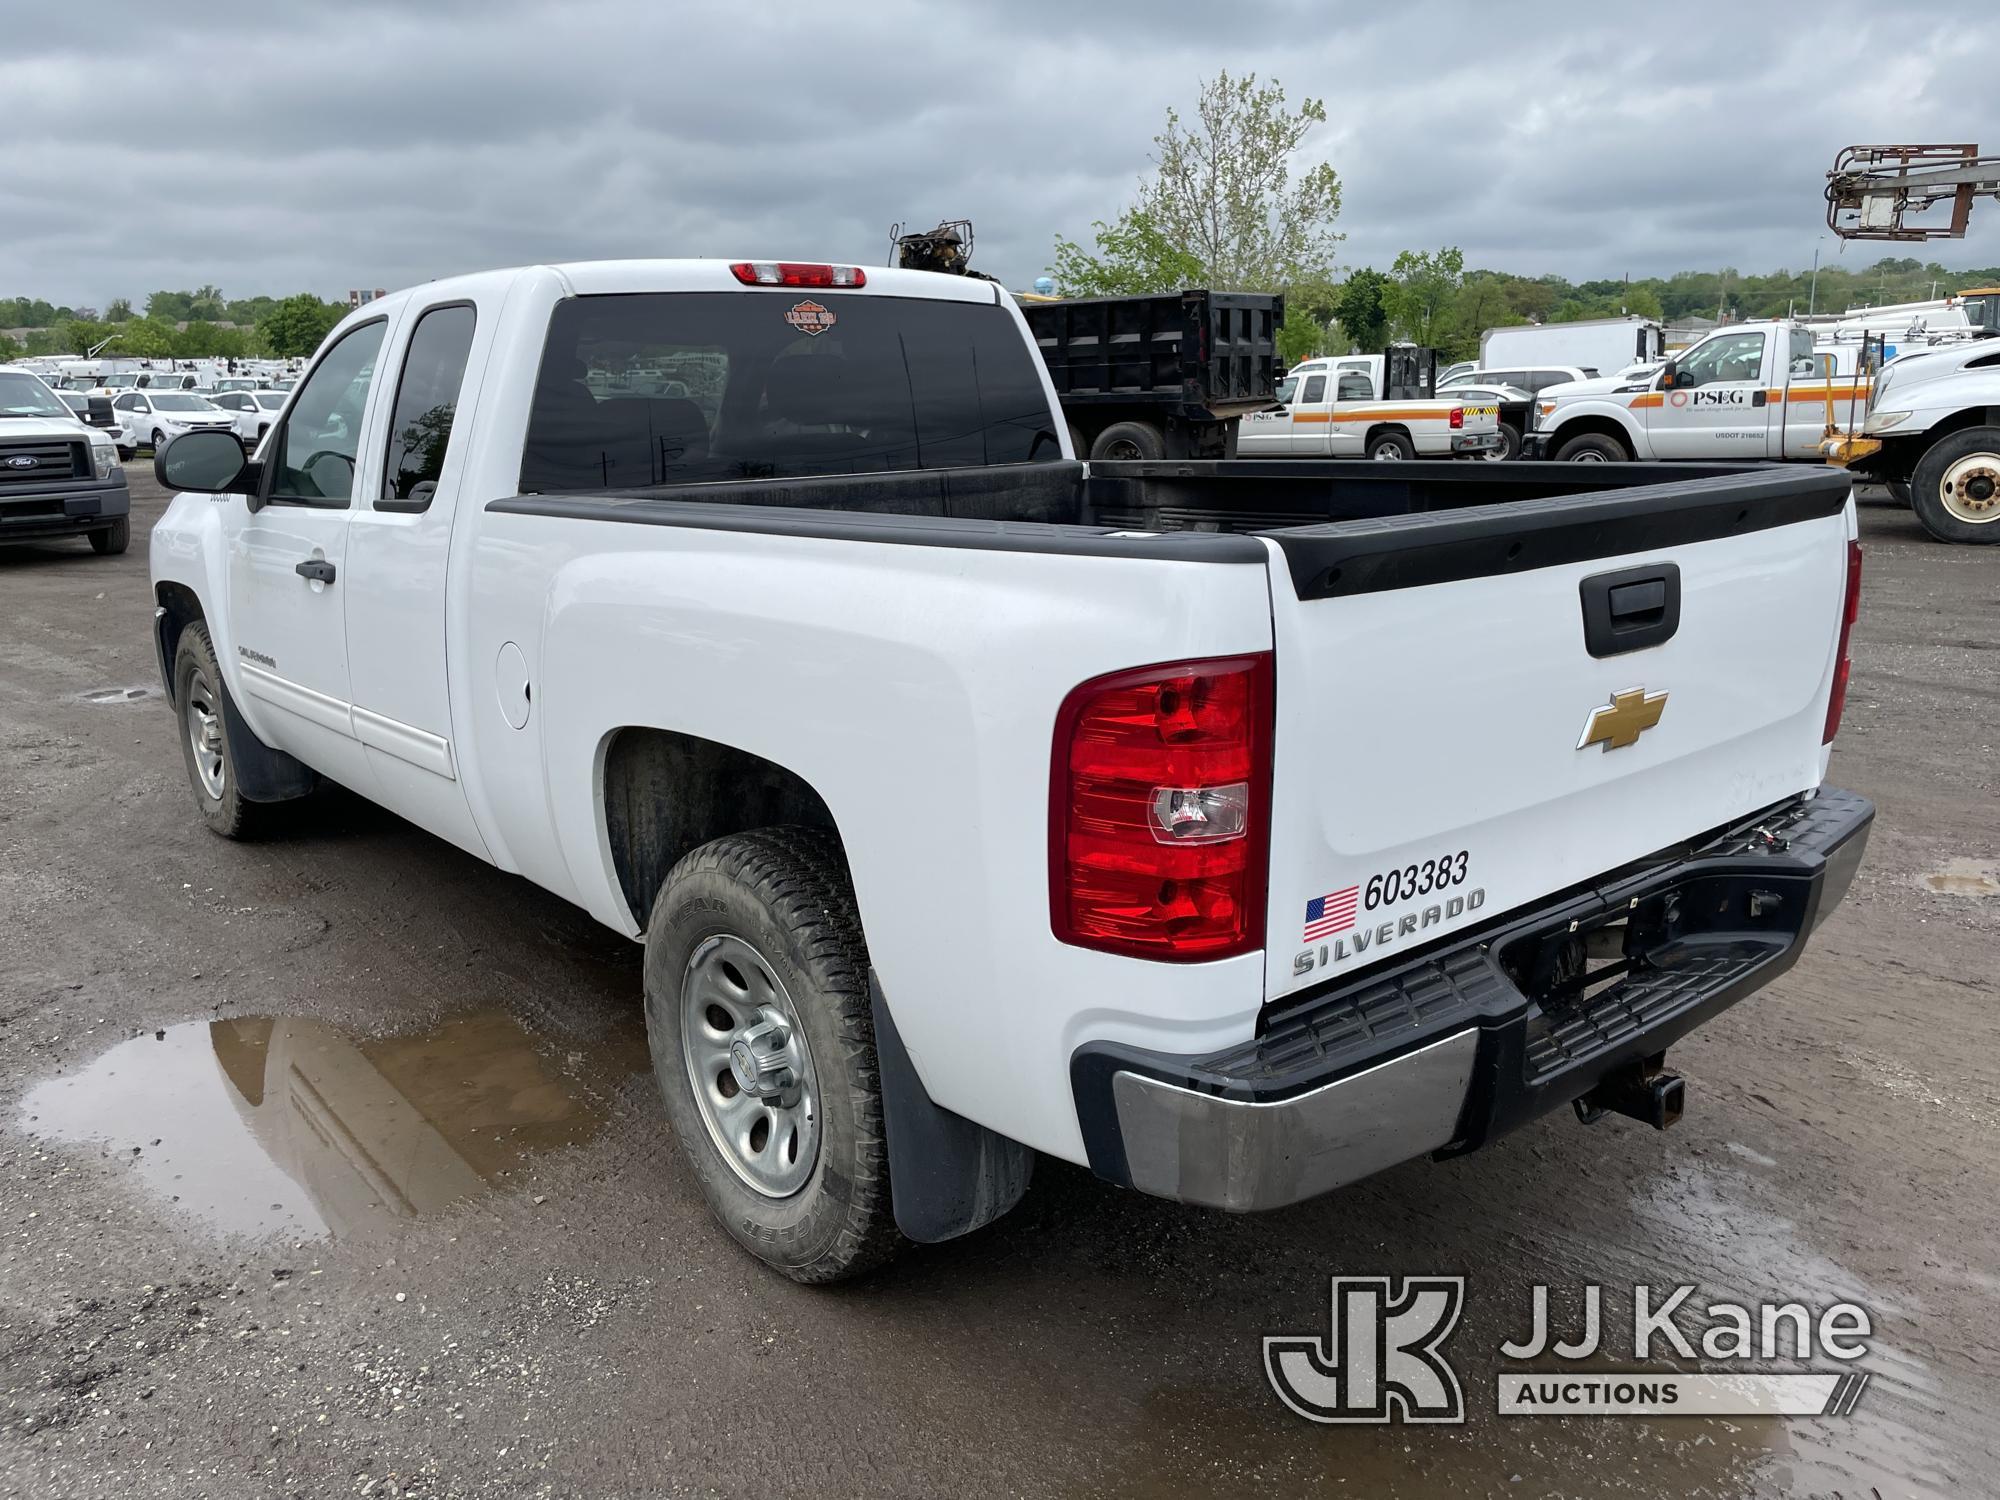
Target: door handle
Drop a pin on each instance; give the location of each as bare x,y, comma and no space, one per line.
317,569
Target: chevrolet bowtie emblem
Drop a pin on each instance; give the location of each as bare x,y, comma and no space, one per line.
1630,715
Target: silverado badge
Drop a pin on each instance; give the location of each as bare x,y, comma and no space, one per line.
1630,714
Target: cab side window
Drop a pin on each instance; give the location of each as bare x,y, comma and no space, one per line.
1315,389
426,399
1734,356
1356,387
313,454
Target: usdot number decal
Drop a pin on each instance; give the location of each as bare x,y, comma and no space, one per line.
1414,880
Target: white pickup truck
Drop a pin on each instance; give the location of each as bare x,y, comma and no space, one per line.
1235,828
1332,413
1748,391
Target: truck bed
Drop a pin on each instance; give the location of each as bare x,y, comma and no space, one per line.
1329,515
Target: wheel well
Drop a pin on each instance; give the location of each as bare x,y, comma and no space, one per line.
1381,427
1589,426
182,610
1958,421
667,793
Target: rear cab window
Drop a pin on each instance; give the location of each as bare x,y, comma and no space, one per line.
639,390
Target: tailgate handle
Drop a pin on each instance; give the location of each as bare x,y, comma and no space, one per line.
1631,609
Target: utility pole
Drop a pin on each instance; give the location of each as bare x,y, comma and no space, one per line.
1812,296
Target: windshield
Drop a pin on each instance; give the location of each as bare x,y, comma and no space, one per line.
776,386
175,401
269,400
1287,388
24,395
118,382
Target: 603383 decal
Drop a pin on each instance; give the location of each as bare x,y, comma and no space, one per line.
1416,879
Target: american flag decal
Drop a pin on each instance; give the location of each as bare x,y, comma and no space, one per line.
1333,913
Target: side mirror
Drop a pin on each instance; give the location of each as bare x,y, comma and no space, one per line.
1669,376
208,463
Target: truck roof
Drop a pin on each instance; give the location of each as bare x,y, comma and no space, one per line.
705,274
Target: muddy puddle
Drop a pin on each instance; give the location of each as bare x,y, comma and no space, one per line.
1963,877
285,1125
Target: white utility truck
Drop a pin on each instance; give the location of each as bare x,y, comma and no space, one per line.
1326,413
1933,424
1604,344
1236,828
1749,391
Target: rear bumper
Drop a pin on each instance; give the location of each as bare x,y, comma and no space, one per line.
1447,1051
1476,442
68,507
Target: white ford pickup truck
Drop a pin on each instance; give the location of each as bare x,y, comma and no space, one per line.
1237,829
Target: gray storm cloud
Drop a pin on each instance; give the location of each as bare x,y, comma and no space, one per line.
341,145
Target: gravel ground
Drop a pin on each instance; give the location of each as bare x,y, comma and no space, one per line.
329,1167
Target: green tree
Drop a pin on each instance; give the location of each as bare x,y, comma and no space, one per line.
298,324
119,310
1132,256
1222,196
205,303
146,338
9,349
169,307
1422,294
1358,308
79,335
40,341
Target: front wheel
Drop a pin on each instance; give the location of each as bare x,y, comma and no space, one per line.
1592,448
111,540
159,441
1955,490
763,1042
204,710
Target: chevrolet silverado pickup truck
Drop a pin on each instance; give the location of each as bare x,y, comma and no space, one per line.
1334,414
59,476
1236,828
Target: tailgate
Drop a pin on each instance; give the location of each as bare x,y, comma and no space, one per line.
1449,748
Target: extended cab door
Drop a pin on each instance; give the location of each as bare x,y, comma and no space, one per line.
1717,406
287,564
398,568
1278,433
1345,439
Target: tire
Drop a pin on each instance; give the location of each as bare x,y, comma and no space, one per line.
113,539
1391,447
1077,445
126,455
1510,446
199,695
1123,441
1899,491
159,442
1955,490
774,910
1592,448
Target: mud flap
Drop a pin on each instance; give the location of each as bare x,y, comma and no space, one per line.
947,1176
262,774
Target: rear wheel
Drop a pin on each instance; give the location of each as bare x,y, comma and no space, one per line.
1123,441
1592,448
1510,445
112,539
763,1041
1391,447
1955,490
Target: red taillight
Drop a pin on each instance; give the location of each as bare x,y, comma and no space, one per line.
1457,417
1850,607
1159,810
796,273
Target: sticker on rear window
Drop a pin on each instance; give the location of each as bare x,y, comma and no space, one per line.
810,318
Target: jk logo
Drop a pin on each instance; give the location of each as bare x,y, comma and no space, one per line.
1381,1362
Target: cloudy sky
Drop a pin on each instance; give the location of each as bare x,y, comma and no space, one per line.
337,145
